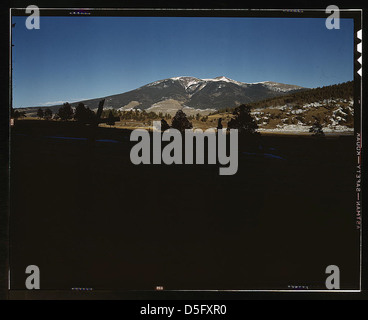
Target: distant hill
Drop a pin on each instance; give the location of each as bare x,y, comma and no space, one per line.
189,92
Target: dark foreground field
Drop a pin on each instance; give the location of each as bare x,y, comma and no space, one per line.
89,218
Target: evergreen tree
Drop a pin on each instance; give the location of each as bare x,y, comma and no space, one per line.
110,119
164,125
317,129
40,113
181,122
219,124
83,114
243,120
48,114
65,112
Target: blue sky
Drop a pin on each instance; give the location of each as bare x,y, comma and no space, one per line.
77,58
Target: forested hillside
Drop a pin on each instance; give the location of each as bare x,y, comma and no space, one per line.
334,92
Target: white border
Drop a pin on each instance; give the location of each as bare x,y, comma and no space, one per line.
209,11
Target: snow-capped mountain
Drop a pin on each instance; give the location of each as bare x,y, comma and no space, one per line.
190,92
217,93
194,85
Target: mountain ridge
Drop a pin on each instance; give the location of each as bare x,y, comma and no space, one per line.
189,92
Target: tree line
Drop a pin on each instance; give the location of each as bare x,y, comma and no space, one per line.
85,115
81,113
243,121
